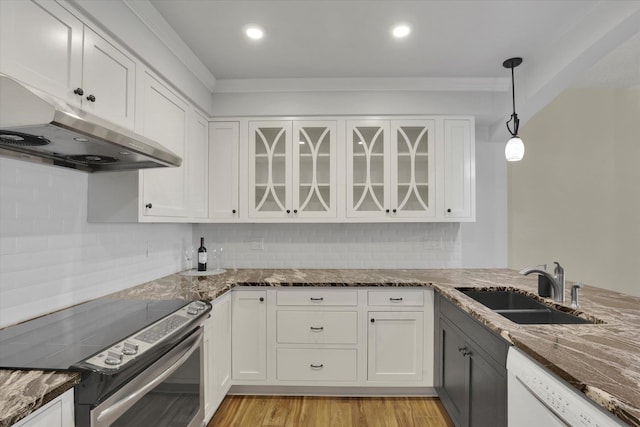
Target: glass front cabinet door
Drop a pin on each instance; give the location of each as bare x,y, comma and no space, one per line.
292,169
412,168
368,169
390,169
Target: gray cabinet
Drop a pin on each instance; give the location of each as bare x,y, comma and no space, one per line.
471,374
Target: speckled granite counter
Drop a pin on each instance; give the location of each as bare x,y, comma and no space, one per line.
600,360
22,392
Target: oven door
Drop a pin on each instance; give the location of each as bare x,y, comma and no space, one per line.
167,394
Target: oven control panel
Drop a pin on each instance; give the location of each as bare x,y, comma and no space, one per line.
133,346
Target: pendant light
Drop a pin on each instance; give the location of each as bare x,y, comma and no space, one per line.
514,150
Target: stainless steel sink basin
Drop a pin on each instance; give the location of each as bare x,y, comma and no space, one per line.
520,308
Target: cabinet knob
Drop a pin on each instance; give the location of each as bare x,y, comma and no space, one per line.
91,98
387,210
394,211
261,299
148,206
449,210
78,91
373,320
288,210
464,350
233,211
316,366
317,328
295,211
395,299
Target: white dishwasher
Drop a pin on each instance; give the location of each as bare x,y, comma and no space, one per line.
538,398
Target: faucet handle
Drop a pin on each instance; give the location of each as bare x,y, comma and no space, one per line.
558,268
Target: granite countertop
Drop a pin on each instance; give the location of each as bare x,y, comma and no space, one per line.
22,392
601,360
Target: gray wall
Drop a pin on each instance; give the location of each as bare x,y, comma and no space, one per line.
575,197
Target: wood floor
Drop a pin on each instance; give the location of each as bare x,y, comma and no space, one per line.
255,411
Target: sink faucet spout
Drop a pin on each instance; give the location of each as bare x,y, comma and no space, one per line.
556,279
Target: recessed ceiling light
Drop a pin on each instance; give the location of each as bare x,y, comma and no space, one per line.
254,32
400,31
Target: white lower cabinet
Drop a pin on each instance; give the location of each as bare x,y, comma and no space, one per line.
217,355
316,327
57,413
313,364
249,335
395,346
321,336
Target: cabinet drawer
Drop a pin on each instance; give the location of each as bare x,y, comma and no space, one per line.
317,327
317,297
396,298
316,364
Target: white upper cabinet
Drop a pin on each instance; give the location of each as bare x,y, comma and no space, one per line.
47,47
269,169
458,170
163,119
108,81
413,168
314,169
292,169
196,163
390,169
162,194
224,146
41,44
368,169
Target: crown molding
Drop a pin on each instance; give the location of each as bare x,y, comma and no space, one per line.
479,84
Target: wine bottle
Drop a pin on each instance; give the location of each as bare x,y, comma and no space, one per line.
202,256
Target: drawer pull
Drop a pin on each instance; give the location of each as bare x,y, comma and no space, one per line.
395,299
317,329
317,299
317,366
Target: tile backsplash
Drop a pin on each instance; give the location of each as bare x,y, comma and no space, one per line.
51,258
410,245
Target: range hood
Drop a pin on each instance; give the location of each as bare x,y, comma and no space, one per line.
37,127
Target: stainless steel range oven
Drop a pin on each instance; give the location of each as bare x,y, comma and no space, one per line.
141,361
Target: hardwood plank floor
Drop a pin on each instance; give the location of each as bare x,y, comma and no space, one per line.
313,411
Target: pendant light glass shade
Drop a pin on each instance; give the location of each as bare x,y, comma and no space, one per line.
514,150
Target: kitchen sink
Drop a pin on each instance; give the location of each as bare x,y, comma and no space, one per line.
521,308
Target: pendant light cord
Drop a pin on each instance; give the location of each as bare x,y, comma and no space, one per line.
514,116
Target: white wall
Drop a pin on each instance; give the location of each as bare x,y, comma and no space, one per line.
50,258
575,197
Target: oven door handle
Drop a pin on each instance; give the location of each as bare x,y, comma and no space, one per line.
114,411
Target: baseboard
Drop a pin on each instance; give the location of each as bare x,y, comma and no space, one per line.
274,390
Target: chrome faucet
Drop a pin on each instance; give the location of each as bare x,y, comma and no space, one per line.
556,280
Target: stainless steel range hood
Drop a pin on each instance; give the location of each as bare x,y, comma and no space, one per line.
37,127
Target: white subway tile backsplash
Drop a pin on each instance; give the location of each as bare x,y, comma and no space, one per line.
52,258
335,245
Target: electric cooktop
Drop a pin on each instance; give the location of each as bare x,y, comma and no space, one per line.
59,340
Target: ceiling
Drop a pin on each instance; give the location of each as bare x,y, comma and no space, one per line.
619,69
351,38
454,46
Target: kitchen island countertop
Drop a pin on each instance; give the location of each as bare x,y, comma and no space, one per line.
601,360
